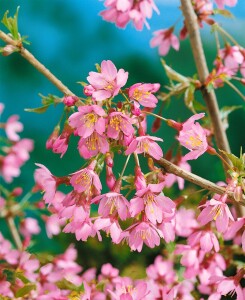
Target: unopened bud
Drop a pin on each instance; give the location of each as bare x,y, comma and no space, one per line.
109,159
53,137
140,181
70,100
176,125
110,178
88,90
17,191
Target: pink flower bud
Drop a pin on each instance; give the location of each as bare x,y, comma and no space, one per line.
17,191
110,178
109,159
53,137
140,182
174,124
88,90
70,100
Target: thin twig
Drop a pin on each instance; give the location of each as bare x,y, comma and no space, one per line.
14,232
32,60
202,69
204,183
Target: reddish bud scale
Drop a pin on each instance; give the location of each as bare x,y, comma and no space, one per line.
176,125
156,125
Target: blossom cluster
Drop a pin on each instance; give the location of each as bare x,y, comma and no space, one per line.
104,124
14,150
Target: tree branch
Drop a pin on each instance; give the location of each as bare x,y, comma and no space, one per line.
14,232
32,60
204,183
202,69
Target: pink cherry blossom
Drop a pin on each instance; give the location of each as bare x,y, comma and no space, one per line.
232,57
86,179
185,222
140,233
119,123
112,203
80,223
46,182
193,137
92,145
218,211
88,119
206,239
108,82
222,3
121,12
164,39
12,126
110,226
29,226
149,200
142,93
147,145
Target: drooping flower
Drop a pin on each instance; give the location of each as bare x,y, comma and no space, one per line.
86,179
119,122
232,57
206,239
193,137
140,233
88,119
218,211
108,82
149,200
46,182
164,39
222,3
142,93
13,126
147,145
92,145
121,12
112,203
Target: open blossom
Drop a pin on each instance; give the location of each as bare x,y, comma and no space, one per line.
142,93
140,233
12,126
206,239
46,182
112,203
164,39
149,200
119,122
222,3
218,211
193,137
108,82
232,57
147,145
92,145
86,179
88,119
121,12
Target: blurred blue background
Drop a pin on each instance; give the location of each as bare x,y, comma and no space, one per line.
69,37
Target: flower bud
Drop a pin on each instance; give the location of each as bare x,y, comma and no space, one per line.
9,49
70,100
140,181
88,90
